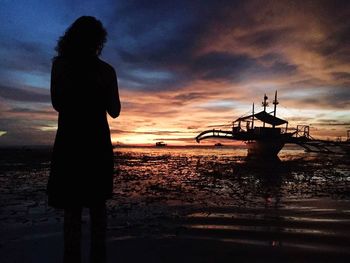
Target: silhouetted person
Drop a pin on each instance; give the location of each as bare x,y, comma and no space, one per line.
83,90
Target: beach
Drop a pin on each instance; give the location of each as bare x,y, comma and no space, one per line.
189,204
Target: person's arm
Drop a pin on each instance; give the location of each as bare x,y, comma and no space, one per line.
113,101
54,88
61,83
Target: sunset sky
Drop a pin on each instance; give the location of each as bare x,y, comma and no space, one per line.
183,66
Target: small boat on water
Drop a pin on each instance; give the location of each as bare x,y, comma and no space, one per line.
262,140
218,144
160,144
268,137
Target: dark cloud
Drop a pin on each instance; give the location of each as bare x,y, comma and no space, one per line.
25,95
193,127
281,68
300,119
156,32
343,78
163,35
32,111
336,98
235,68
168,36
26,56
330,123
334,16
342,75
221,65
190,96
25,132
178,55
149,80
266,38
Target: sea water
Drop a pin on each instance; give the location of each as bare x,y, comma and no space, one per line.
299,202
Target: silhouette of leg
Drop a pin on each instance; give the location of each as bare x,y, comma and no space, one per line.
72,235
98,218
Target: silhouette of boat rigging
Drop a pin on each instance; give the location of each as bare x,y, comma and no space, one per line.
263,141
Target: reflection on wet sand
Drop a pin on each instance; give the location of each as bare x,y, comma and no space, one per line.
245,201
211,204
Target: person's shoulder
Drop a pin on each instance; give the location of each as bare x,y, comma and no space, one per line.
106,67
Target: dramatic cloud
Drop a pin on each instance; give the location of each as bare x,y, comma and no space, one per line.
184,66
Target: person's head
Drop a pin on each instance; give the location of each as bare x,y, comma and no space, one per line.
85,37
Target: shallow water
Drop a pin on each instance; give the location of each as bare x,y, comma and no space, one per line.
299,202
224,176
187,177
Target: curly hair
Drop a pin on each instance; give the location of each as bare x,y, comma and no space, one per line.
85,37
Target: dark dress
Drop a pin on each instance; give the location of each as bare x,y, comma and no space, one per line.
82,160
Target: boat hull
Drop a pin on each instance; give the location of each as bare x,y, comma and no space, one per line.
265,148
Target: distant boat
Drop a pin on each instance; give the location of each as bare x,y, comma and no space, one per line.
160,144
218,144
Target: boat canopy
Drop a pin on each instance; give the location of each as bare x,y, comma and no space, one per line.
265,117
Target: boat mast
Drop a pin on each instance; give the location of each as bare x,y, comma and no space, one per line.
275,102
253,117
265,104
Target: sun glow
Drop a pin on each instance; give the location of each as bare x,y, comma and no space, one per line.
206,84
146,139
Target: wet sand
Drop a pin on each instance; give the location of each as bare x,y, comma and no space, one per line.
189,205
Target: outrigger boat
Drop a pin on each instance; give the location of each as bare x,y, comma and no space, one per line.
267,139
160,144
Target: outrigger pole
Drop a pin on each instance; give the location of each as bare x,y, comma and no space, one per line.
275,102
